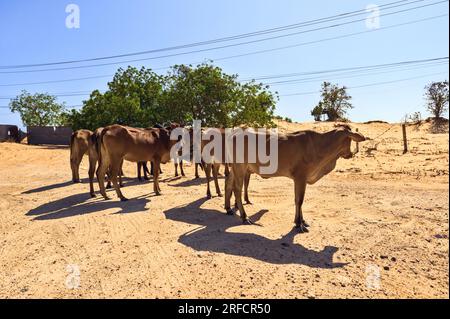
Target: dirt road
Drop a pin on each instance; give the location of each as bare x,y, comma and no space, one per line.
379,228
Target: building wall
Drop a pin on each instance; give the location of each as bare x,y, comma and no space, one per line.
9,132
57,135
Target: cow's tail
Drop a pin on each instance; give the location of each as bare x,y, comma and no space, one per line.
72,144
98,146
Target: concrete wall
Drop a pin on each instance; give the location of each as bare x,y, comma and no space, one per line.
57,135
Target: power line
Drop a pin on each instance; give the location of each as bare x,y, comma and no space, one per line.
54,94
231,38
353,74
67,107
368,85
357,68
58,81
234,56
258,78
237,55
327,39
320,72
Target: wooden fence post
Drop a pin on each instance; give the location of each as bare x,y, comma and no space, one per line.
405,141
357,144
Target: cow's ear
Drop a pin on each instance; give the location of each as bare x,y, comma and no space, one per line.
357,137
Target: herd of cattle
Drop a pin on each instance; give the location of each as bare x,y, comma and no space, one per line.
304,156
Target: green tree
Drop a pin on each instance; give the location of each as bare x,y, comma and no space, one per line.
318,111
142,98
436,94
39,109
133,98
335,102
217,99
253,106
202,93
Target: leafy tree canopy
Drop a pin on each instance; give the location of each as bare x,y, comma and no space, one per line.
142,98
39,109
436,94
335,103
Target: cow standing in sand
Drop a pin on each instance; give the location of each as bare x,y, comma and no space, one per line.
214,161
118,143
83,142
79,146
304,156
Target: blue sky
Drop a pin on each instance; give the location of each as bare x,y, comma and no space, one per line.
36,32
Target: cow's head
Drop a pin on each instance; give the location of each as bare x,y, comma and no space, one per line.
346,136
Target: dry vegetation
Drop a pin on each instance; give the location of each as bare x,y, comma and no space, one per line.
380,210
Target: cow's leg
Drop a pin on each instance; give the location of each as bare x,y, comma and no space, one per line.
181,168
227,170
156,188
115,171
300,188
75,163
196,170
101,172
176,168
239,173
151,168
92,163
73,168
208,179
121,174
215,172
146,171
246,182
139,166
108,177
229,180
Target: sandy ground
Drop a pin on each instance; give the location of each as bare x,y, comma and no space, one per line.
379,229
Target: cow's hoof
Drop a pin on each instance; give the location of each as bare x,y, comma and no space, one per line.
196,177
230,212
247,202
247,221
93,195
106,197
121,185
123,199
108,186
184,175
76,181
219,195
301,228
305,224
208,196
157,193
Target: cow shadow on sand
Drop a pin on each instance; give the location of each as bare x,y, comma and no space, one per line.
212,235
52,186
128,181
80,204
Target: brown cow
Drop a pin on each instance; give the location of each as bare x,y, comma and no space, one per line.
118,143
214,166
304,156
79,146
84,142
93,159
